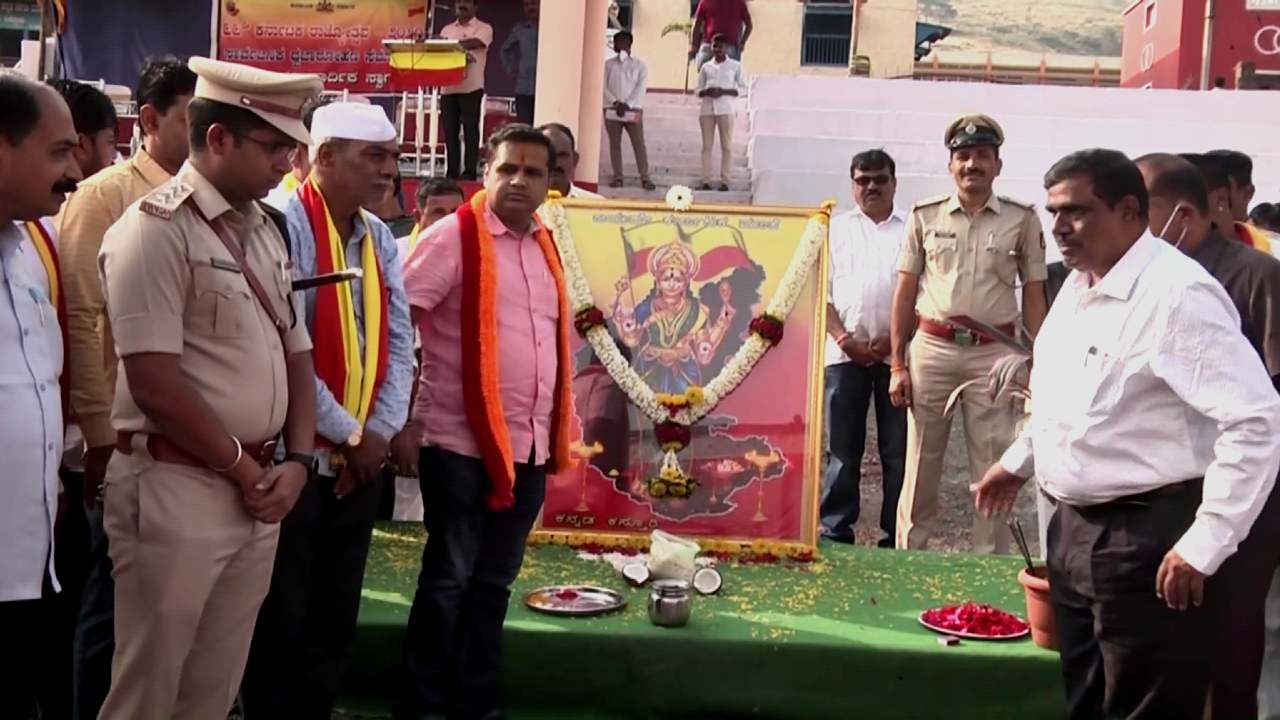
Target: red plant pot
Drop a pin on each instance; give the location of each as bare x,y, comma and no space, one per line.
1044,629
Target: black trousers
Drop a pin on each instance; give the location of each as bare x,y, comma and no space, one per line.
1124,653
71,559
1240,599
524,109
461,112
453,647
850,390
33,679
306,627
95,639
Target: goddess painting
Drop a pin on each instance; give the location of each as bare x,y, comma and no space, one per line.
671,331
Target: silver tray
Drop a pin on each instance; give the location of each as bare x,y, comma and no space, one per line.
586,600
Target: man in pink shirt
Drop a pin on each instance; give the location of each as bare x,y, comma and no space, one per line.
473,553
460,105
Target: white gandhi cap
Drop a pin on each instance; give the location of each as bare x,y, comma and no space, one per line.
351,121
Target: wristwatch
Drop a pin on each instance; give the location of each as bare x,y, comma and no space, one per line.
354,439
306,460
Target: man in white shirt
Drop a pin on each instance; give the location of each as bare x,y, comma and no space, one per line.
626,79
37,169
460,105
1157,433
863,247
719,82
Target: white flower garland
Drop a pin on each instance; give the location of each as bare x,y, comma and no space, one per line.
735,370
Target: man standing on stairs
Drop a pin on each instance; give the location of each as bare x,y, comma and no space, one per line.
730,18
965,254
719,82
626,80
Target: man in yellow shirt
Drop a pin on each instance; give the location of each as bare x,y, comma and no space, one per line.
165,87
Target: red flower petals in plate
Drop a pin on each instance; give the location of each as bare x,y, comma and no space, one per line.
974,620
567,595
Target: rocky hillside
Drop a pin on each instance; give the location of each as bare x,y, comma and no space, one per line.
1080,27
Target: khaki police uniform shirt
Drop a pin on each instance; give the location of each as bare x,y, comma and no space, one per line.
171,286
83,221
972,266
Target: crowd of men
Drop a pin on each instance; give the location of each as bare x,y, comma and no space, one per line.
204,538
1153,405
211,395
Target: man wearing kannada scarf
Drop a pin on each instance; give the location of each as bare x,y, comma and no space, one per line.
364,373
487,290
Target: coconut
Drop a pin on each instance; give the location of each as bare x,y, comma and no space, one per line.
636,573
707,581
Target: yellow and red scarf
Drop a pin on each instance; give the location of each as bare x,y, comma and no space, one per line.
1253,237
352,377
481,388
48,255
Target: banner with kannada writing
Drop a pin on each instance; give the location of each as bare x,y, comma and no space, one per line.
678,291
339,40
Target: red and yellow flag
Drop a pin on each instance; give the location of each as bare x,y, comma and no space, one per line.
416,67
351,375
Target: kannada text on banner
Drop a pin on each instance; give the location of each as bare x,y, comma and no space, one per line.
339,41
678,291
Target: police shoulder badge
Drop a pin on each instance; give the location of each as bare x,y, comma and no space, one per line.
930,201
164,200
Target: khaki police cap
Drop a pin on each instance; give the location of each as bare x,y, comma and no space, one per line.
970,130
278,98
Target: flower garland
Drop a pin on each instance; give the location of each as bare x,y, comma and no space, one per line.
688,408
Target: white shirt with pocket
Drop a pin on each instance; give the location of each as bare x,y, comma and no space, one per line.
31,434
1145,380
863,257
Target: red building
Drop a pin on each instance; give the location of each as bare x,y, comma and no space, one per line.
1163,43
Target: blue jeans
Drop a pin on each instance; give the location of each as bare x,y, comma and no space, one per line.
95,639
850,389
453,645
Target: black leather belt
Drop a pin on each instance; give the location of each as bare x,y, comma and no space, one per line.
1195,485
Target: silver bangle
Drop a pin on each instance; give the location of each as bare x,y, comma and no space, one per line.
239,457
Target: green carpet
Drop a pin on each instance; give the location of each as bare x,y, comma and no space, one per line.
838,637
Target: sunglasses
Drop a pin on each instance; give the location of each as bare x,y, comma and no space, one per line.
868,180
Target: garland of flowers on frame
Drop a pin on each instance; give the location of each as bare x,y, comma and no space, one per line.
673,415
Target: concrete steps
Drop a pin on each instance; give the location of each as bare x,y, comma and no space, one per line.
673,139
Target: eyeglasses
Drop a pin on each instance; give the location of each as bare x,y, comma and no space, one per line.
272,147
868,180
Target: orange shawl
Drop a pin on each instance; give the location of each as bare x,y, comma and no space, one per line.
481,390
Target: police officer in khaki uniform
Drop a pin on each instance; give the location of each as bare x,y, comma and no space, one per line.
214,364
966,254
